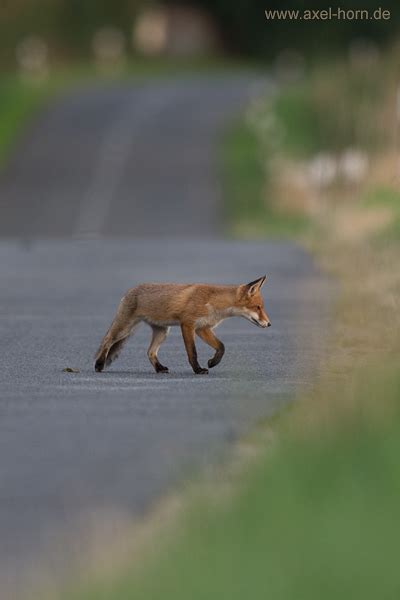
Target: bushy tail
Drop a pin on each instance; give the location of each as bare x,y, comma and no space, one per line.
115,350
102,352
116,335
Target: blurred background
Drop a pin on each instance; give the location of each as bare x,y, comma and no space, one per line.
220,122
72,30
339,75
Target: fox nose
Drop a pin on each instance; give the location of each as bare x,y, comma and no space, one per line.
269,324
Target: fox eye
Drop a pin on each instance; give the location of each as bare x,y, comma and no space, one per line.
258,307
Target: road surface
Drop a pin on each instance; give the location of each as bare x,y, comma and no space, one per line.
109,188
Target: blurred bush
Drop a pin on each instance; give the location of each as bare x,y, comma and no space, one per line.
69,25
332,110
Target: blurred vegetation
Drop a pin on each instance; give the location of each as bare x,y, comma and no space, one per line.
247,30
16,106
245,176
331,110
68,25
386,197
317,146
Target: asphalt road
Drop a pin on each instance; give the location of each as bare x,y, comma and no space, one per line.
135,168
124,160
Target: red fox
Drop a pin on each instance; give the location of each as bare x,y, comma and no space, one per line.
196,308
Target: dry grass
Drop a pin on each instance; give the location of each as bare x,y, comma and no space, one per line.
349,242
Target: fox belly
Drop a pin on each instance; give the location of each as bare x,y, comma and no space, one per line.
161,322
201,317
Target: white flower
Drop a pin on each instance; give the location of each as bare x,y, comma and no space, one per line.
32,58
353,165
322,170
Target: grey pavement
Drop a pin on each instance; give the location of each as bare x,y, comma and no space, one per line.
124,160
74,444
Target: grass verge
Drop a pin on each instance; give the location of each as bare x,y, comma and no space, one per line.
18,102
248,209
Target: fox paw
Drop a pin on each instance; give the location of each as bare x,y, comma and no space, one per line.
99,366
201,371
161,369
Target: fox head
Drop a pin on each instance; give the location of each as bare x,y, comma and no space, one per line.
250,303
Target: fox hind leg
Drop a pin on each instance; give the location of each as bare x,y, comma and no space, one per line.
158,337
208,336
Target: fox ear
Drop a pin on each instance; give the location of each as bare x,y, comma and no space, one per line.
255,286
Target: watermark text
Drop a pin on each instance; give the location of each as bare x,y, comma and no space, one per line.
328,14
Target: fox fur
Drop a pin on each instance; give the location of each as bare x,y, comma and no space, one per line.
196,308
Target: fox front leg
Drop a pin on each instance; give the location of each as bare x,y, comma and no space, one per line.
207,335
188,334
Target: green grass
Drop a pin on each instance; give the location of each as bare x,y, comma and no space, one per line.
383,196
317,519
18,102
334,108
245,180
296,114
386,197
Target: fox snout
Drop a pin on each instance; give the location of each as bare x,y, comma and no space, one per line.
260,317
263,323
266,324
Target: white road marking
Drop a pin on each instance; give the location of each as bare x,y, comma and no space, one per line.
112,158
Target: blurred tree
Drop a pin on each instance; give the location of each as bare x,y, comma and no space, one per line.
247,30
83,17
69,24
